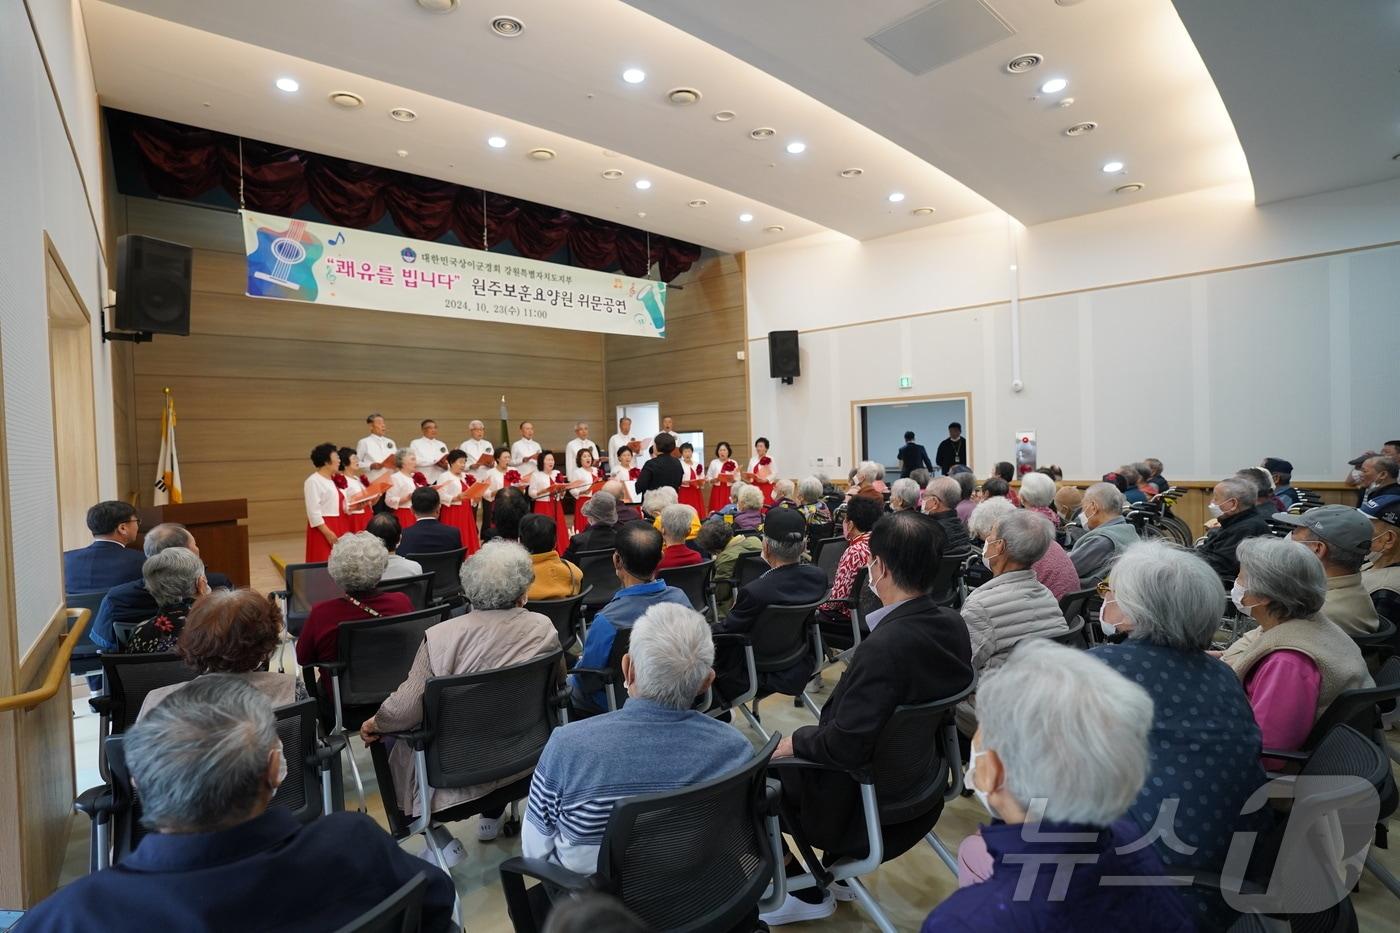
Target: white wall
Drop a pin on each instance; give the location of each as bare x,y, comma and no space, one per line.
1198,329
42,190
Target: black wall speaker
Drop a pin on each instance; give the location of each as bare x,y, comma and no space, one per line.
783,362
153,285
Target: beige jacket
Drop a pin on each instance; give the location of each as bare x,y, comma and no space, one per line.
1337,658
1349,605
280,690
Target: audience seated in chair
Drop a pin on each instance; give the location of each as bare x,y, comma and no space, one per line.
1297,661
784,496
861,517
1055,570
207,761
749,503
823,807
788,582
233,632
601,533
904,495
866,482
675,523
1109,533
628,510
1038,495
1383,571
497,633
967,484
1168,602
1059,757
555,578
1265,502
1340,536
712,539
107,561
1013,606
428,535
941,497
508,508
385,527
1232,503
175,579
657,742
638,552
357,564
130,602
811,501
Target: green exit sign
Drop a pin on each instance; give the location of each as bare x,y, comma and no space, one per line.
905,382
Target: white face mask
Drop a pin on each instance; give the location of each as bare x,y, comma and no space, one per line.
1237,597
1215,509
1108,630
972,782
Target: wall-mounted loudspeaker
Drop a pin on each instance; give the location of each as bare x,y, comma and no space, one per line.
783,362
153,286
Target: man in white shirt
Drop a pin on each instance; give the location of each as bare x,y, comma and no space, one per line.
523,451
622,438
376,450
668,426
429,451
474,447
572,448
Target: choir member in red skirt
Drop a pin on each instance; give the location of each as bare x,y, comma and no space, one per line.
457,509
692,479
586,475
761,468
401,485
548,497
721,473
353,484
324,520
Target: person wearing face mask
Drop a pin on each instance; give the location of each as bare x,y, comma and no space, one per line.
1059,758
1297,661
1108,533
208,761
1014,605
1340,536
1232,503
1168,602
1382,571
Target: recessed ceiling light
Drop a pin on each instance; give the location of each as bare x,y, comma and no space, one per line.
852,172
612,174
403,114
542,154
683,96
745,218
774,228
289,85
641,184
1054,86
1112,168
896,197
641,213
762,132
699,202
1129,188
507,27
1079,129
634,76
724,116
1023,63
796,148
922,211
1065,102
496,142
346,100
438,6
403,153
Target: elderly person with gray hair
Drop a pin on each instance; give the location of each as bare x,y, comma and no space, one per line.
654,500
784,491
1297,661
1340,536
941,497
497,633
1013,606
174,578
904,495
677,523
1038,495
811,501
1109,533
865,481
1058,760
749,501
1053,569
1168,601
656,742
1235,519
208,761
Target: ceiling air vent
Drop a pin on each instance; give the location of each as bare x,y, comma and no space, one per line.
1081,129
1024,63
940,33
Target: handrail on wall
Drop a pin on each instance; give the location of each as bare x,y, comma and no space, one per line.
58,666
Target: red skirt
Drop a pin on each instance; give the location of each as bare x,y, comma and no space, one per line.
555,510
405,517
767,490
359,521
463,518
719,495
691,496
318,549
580,520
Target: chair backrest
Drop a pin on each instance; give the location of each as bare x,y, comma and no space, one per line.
598,576
418,589
400,912
565,613
378,653
780,636
914,758
748,569
817,534
695,580
84,658
130,677
1359,708
1079,605
127,830
828,556
491,724
1074,638
307,585
693,859
300,791
947,579
866,600
446,568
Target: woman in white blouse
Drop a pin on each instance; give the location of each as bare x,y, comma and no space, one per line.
692,479
457,509
549,502
721,474
585,474
761,466
500,477
626,472
355,498
325,522
401,485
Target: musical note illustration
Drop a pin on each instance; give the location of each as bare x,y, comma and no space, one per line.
338,239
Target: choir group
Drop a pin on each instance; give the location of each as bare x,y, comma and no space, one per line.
349,484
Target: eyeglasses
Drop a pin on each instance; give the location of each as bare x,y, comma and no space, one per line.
1103,589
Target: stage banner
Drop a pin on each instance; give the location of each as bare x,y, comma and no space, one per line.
297,260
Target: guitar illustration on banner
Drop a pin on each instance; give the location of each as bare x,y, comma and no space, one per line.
283,264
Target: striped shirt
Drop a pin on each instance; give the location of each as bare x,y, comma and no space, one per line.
587,766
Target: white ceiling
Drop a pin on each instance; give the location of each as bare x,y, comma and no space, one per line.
1314,88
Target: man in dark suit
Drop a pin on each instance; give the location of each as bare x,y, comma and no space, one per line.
208,761
787,582
427,535
107,561
952,451
912,456
917,651
664,469
130,602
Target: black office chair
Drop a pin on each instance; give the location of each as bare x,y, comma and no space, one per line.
599,577
697,581
846,636
607,678
781,637
446,568
84,659
1081,605
827,556
1074,638
818,533
567,616
698,860
749,568
418,589
947,588
128,678
305,585
400,912
1380,644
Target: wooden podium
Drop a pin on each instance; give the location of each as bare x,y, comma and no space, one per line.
223,542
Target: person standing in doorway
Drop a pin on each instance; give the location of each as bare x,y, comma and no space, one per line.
912,456
953,451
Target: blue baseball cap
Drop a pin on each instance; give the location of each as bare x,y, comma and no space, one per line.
1384,509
